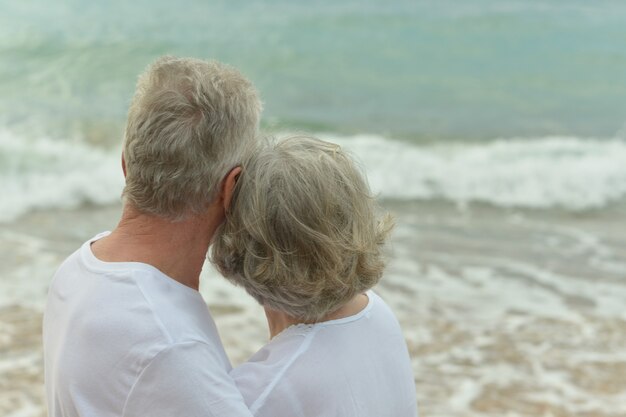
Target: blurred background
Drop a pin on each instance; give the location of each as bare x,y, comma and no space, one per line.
494,131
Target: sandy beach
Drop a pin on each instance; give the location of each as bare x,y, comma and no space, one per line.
505,312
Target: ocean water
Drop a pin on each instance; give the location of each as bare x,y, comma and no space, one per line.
494,131
477,98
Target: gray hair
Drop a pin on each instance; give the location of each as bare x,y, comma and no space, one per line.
302,235
190,122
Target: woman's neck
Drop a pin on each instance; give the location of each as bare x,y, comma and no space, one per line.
279,321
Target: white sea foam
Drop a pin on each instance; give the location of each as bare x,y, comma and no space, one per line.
570,173
489,326
43,173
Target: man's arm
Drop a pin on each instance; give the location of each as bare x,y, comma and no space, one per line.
185,379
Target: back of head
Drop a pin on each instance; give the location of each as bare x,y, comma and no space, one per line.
302,236
190,122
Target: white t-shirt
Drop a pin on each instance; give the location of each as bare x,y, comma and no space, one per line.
123,339
357,366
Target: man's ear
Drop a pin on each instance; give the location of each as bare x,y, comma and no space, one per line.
228,187
123,165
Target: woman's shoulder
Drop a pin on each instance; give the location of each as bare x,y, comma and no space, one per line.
325,360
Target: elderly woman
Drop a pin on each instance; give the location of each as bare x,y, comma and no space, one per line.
303,239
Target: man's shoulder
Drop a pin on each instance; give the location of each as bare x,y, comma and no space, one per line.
75,262
108,303
69,265
124,328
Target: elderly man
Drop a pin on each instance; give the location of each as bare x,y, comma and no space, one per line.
126,332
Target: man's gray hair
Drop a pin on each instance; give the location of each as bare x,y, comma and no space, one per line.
190,122
302,235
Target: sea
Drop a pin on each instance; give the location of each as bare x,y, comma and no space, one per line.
493,130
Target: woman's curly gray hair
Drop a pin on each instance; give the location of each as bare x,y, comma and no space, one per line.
302,235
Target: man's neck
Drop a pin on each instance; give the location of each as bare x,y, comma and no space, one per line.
178,249
279,321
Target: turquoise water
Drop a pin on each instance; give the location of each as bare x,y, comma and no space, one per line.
472,69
